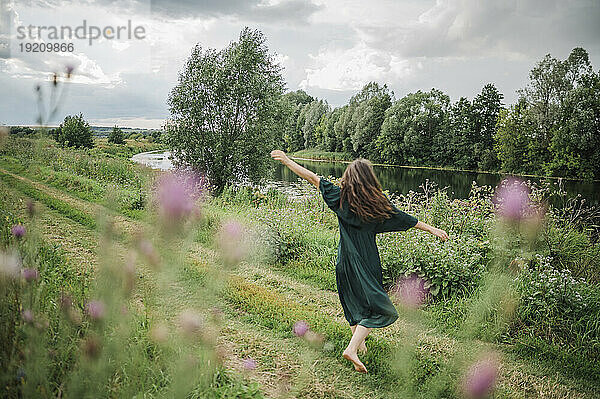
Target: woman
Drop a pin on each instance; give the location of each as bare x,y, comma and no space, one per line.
363,211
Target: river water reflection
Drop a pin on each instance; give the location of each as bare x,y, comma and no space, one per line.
399,179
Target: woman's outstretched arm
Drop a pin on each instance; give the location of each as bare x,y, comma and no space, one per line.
441,234
294,167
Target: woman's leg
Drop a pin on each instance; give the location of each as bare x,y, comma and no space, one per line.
362,348
358,337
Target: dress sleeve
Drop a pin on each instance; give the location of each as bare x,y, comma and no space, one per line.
331,194
399,221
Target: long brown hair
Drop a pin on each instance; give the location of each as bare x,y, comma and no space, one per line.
361,190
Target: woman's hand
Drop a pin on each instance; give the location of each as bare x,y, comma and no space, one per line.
280,156
441,234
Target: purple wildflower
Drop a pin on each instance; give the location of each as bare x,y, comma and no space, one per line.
410,291
30,274
249,363
69,69
300,328
18,230
177,195
480,379
96,309
512,200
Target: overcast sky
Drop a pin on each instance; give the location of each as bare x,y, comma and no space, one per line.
329,48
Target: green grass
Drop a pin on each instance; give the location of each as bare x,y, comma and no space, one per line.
50,201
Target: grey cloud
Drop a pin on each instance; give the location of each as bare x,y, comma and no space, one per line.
473,28
294,11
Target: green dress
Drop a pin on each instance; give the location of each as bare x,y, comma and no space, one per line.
358,268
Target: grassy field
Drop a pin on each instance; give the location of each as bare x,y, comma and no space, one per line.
92,207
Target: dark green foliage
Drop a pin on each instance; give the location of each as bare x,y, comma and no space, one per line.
224,110
552,129
74,132
116,136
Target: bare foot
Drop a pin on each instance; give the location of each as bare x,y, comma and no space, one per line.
362,348
358,365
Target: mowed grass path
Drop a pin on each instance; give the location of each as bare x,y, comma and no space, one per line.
259,306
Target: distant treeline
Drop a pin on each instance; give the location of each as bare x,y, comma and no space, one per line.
553,129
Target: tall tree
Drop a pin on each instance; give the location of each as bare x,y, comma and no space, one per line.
75,132
224,108
486,110
370,105
412,131
116,136
576,142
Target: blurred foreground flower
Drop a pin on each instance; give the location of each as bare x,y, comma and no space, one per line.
512,199
28,316
300,328
18,230
30,208
96,310
91,347
479,380
10,265
159,333
177,194
249,363
231,242
190,322
30,274
410,291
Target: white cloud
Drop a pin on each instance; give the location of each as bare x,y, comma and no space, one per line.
351,69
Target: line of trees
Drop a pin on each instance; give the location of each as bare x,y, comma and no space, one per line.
553,129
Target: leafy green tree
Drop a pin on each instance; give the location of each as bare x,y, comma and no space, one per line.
292,105
116,136
74,132
513,139
369,112
486,110
224,110
576,142
411,128
462,135
311,116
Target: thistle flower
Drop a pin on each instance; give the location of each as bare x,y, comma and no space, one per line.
512,200
479,380
69,69
410,291
31,274
300,328
96,309
249,363
177,194
18,230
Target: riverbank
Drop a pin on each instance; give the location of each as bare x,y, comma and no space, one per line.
545,348
327,156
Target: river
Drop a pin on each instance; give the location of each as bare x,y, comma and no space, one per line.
402,179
